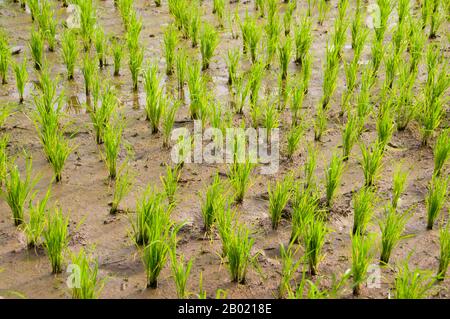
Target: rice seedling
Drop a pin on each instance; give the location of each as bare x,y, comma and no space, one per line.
180,71
117,53
284,53
405,109
56,149
305,201
154,257
392,226
34,228
287,18
100,46
255,80
56,238
168,120
320,123
18,189
412,284
377,51
5,57
122,186
444,256
260,5
112,138
303,39
340,31
314,238
20,70
310,166
363,209
208,43
385,126
212,203
233,58
294,137
135,62
170,183
33,5
170,42
180,273
436,17
330,75
194,23
306,72
371,163
441,151
219,10
289,267
251,35
279,196
239,176
37,48
4,140
196,88
403,10
323,7
398,185
386,7
89,285
298,95
272,30
88,17
155,99
362,254
69,48
349,135
125,8
100,116
436,198
333,174
239,252
89,70
417,42
133,31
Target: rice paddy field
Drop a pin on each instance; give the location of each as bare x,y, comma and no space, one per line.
93,204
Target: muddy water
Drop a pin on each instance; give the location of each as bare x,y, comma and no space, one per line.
84,193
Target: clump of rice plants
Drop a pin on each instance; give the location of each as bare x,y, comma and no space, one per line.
444,256
196,87
392,226
117,53
362,254
168,120
4,140
405,109
100,116
56,238
289,267
18,189
170,42
239,176
88,17
436,198
5,57
330,74
208,43
135,61
363,209
298,95
251,35
284,53
310,166
441,151
278,198
398,185
34,228
333,174
212,203
122,186
180,273
323,7
386,8
272,30
180,71
305,205
256,75
287,18
349,135
412,284
100,46
193,29
436,17
37,48
233,58
89,71
224,223
385,127
303,40
320,123
293,139
112,139
314,238
20,70
155,100
371,163
88,285
69,47
219,10
238,251
170,183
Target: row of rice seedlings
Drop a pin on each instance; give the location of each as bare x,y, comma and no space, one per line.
21,73
441,151
100,115
279,196
88,285
212,203
112,139
362,255
56,238
209,40
436,198
333,174
122,186
18,189
35,226
392,227
170,183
